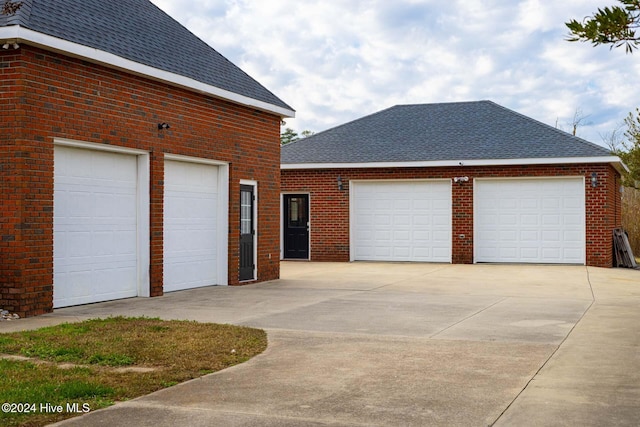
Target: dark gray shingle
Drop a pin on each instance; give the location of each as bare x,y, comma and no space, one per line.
438,132
139,31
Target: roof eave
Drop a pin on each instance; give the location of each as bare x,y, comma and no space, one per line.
613,160
26,36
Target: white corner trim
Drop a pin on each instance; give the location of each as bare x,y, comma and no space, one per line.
25,35
460,162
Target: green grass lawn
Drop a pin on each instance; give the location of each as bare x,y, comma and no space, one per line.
74,368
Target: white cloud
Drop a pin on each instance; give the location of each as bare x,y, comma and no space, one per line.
338,60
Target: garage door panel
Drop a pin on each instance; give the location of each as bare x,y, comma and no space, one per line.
411,219
572,236
382,204
383,252
401,252
555,220
571,203
441,238
422,204
421,235
549,236
401,220
569,220
529,220
442,220
551,254
383,236
538,220
552,204
382,220
507,204
529,236
508,235
572,252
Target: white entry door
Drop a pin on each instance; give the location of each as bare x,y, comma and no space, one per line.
401,221
94,226
191,235
530,220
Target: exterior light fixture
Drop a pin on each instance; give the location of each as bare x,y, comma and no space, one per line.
340,187
10,44
594,179
460,179
163,125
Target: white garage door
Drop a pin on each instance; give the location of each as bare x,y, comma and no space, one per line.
530,220
401,221
190,225
94,226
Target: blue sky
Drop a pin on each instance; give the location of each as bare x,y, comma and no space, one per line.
337,60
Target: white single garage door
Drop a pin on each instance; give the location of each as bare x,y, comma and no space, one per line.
190,225
401,221
530,220
94,226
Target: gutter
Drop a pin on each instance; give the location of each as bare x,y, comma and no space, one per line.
613,160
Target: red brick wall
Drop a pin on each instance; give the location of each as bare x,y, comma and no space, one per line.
44,95
329,216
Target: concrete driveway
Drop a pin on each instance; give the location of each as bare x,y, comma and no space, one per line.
405,344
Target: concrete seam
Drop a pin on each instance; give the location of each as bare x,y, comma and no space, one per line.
404,280
533,377
593,296
468,317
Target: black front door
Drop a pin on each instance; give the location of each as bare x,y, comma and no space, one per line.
247,232
296,226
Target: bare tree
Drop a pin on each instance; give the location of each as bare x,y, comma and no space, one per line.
579,119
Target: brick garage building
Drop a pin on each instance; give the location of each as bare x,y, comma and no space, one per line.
456,183
134,158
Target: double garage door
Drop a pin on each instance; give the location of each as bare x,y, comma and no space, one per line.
98,221
515,220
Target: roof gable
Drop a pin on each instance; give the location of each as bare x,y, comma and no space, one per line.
139,31
460,131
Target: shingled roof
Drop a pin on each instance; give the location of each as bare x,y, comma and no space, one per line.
455,132
138,31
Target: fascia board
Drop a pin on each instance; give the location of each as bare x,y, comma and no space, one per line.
614,160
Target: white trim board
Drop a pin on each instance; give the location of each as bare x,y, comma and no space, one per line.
24,35
614,160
